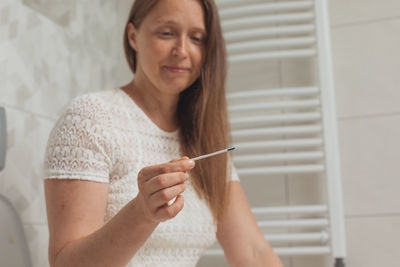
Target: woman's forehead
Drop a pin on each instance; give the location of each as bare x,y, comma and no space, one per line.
178,12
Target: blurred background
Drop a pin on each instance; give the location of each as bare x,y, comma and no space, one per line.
52,51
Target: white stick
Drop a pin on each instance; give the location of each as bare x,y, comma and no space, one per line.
214,153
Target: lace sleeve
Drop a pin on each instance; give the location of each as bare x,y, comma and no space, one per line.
79,145
235,176
232,170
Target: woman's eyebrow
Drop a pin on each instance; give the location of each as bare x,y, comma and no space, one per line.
173,22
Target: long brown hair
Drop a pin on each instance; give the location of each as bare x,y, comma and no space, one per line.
202,109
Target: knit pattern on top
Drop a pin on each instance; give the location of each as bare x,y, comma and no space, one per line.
105,137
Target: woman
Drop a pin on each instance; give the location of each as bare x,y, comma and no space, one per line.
111,198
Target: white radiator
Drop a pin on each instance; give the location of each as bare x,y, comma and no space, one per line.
287,130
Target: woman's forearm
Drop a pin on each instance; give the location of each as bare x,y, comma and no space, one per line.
114,244
266,256
257,255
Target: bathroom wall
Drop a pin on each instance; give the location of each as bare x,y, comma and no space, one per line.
366,38
53,50
50,52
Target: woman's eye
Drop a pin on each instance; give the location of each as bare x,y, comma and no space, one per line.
166,33
197,39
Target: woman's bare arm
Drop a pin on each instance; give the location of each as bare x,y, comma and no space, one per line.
75,211
240,237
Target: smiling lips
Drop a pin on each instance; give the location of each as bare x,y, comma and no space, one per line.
177,70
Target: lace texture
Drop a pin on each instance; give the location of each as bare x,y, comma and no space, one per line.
105,137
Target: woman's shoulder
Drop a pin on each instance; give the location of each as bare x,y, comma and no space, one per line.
93,104
85,116
87,110
100,99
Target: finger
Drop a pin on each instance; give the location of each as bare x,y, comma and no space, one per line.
179,166
164,181
162,197
168,212
182,158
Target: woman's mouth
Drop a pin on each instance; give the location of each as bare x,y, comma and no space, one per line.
178,70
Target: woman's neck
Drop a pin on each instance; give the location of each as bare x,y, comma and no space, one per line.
160,108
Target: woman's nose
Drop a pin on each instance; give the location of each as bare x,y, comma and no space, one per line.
180,48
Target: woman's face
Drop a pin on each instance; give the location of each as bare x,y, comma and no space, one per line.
170,45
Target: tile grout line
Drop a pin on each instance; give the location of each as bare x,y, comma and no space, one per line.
368,216
362,22
367,116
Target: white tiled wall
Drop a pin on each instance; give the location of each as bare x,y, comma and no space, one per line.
373,240
366,37
51,51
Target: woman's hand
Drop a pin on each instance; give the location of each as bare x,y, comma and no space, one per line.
159,184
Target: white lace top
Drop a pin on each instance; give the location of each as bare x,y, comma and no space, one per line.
105,137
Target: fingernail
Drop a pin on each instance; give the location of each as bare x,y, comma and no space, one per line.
171,201
191,163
